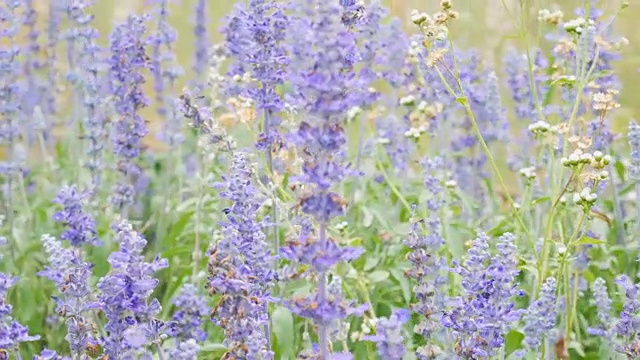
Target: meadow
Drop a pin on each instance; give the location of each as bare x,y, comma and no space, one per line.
319,179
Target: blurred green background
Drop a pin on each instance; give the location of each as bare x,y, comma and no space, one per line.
484,24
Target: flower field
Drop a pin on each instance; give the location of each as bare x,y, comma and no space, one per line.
318,179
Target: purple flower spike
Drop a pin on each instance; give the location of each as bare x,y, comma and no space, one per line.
127,63
125,295
71,276
81,227
389,335
192,310
241,269
484,314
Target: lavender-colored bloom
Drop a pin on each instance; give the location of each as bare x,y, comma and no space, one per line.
540,317
166,70
127,63
324,85
192,310
627,326
603,304
71,276
426,264
9,92
54,19
186,350
241,268
124,294
634,144
255,36
515,65
201,58
81,226
33,88
389,335
86,79
12,333
481,317
47,354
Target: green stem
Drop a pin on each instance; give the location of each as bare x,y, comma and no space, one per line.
462,99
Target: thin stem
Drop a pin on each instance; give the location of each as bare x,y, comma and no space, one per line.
160,352
470,114
269,157
322,293
196,247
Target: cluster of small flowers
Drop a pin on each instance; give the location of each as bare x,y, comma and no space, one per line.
434,27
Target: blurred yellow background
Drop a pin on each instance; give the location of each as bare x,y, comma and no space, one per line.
484,24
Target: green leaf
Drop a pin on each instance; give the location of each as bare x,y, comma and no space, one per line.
378,276
540,200
282,325
404,284
370,262
502,227
178,226
513,341
585,240
462,100
619,166
368,217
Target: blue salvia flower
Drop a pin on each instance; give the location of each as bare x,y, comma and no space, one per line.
12,333
48,354
71,276
540,317
86,78
517,79
627,326
241,268
186,350
54,19
323,80
389,335
426,263
127,63
634,144
255,37
33,89
81,226
603,304
9,92
124,295
201,57
166,70
481,317
192,310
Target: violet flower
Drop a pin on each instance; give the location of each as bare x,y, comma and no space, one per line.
11,164
483,314
241,268
255,38
540,317
127,63
47,354
86,77
124,296
192,310
71,276
166,70
603,303
389,335
323,78
81,226
201,58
